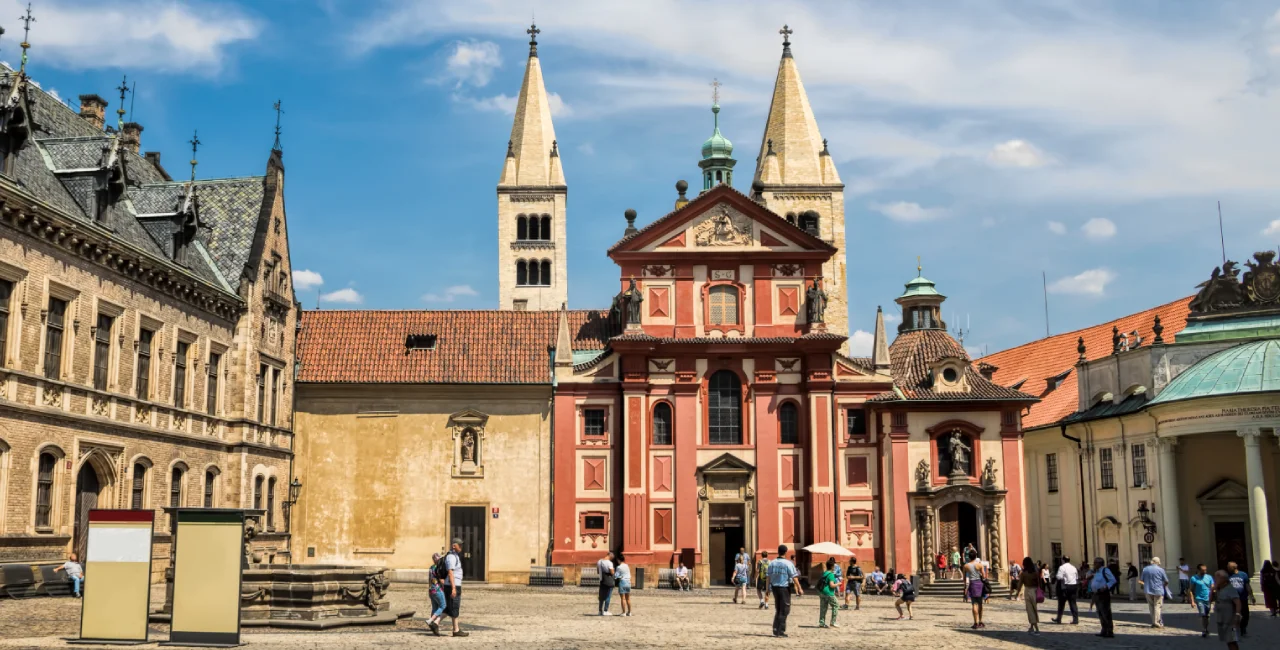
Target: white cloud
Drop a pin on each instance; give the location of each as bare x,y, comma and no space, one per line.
891,318
1057,227
860,343
347,296
158,35
1099,228
504,103
908,211
450,293
473,62
1089,283
1272,230
587,149
305,279
1017,153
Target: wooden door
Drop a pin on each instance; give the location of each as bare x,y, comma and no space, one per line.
1228,536
468,524
87,488
949,528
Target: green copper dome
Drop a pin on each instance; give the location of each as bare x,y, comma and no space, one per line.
919,286
717,146
1247,368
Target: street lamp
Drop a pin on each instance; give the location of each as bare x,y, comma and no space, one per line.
1144,514
295,487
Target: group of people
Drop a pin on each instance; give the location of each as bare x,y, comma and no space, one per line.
616,573
445,589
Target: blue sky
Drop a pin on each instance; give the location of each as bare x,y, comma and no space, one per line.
995,139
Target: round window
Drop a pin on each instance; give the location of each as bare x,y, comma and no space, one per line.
949,375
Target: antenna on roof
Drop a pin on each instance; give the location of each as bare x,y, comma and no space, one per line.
26,32
133,99
1222,238
1044,285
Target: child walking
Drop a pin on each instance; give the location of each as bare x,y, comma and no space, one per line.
906,593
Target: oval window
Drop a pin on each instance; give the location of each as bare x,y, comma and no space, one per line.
949,375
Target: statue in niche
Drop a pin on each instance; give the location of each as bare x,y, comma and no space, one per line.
634,300
816,302
469,446
959,454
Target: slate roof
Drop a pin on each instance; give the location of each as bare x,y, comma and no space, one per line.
1035,362
57,165
910,357
473,346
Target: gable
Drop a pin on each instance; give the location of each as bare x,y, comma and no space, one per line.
719,221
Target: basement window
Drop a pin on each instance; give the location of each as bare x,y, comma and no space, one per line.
419,342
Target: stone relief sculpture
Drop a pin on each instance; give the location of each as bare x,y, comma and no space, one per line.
723,229
989,472
922,475
1226,290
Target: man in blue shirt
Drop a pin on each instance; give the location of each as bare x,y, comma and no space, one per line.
1240,580
1201,591
782,574
1155,584
1101,583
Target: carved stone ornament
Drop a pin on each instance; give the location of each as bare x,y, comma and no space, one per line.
52,396
922,474
723,228
815,300
787,270
1225,291
658,270
989,472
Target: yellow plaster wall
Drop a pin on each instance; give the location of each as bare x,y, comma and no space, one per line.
376,466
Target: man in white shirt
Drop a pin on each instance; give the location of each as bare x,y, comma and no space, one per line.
1184,580
605,567
1068,579
682,577
453,592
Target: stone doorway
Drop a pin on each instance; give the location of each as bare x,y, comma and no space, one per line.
88,487
728,534
726,510
958,527
1229,540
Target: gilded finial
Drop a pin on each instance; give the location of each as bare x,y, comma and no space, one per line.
26,33
533,32
279,112
715,91
786,32
124,90
919,267
195,144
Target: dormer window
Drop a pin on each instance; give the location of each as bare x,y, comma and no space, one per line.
1056,380
419,342
950,375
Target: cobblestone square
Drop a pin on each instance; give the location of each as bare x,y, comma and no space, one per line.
562,618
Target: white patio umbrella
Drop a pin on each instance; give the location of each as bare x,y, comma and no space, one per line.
827,548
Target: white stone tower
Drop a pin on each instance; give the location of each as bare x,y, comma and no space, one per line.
797,178
532,270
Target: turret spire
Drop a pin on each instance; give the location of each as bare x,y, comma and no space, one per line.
533,32
794,131
717,152
279,112
533,137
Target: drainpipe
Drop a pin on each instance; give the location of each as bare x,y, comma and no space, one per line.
551,499
1083,517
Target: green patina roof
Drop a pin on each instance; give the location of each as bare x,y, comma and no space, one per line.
1247,368
920,286
717,146
1232,328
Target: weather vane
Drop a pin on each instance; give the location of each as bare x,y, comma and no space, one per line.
124,89
533,32
715,91
279,112
26,32
195,143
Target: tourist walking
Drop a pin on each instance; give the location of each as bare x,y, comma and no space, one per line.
1045,582
906,593
853,578
762,579
741,576
1201,593
604,566
940,566
453,595
1100,584
1132,575
1270,579
828,585
436,592
1155,584
783,576
975,587
75,573
1184,580
1068,584
1015,580
1240,580
622,574
1032,593
954,562
1228,603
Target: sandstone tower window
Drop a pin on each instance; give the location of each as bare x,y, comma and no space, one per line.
535,276
6,296
271,504
724,409
1107,468
1051,472
662,424
175,492
257,492
1139,454
791,218
593,422
275,397
55,326
210,483
723,308
143,379
102,351
522,227
180,374
533,228
44,490
788,424
809,222
211,383
546,273
522,273
138,487
546,227
262,392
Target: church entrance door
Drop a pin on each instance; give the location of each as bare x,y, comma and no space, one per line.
957,527
728,534
1229,538
87,488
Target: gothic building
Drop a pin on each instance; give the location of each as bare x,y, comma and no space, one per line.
146,331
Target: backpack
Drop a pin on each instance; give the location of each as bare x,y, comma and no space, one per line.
439,570
908,589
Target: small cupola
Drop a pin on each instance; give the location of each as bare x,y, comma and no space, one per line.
717,152
921,305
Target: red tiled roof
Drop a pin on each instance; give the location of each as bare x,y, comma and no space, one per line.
473,347
911,356
1037,361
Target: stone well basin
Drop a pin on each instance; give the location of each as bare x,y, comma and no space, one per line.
314,596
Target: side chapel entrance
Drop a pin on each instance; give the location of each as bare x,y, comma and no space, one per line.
726,507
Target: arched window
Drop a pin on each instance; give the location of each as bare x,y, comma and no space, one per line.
724,409
946,454
546,273
546,227
522,228
139,486
791,218
533,228
809,222
175,492
257,492
210,483
522,273
719,176
535,278
271,503
788,424
44,490
723,307
662,424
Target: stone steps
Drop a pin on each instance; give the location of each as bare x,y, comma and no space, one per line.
955,589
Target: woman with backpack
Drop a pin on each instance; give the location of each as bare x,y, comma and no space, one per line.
741,576
605,568
1032,593
906,594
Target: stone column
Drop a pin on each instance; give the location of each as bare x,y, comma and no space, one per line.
1259,529
1169,502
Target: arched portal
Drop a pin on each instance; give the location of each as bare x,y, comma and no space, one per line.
958,527
88,487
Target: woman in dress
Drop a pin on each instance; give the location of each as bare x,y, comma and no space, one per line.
1031,583
975,576
1269,578
622,574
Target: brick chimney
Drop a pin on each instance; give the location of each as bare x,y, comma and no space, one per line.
131,136
94,109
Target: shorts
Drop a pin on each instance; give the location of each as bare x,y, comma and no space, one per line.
762,585
907,599
452,603
856,587
624,586
1202,606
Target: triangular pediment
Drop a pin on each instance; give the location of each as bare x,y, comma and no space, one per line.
727,463
1224,490
469,418
722,220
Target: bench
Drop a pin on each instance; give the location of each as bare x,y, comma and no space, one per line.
589,577
53,583
17,580
667,580
546,576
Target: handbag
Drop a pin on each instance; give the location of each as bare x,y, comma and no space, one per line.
1039,595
